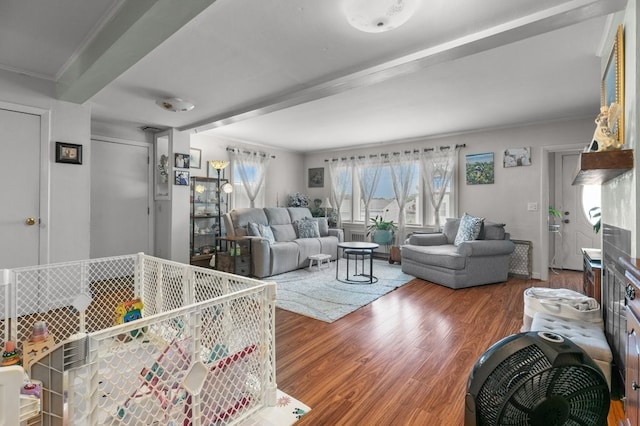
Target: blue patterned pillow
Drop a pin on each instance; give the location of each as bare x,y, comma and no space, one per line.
469,229
254,229
267,233
308,228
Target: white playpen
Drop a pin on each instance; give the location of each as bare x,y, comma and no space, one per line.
202,352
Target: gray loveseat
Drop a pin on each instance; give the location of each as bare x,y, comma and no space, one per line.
287,251
435,258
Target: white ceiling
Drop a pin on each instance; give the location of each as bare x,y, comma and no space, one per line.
294,74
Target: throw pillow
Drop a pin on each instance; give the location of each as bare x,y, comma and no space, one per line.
267,233
308,228
469,229
254,230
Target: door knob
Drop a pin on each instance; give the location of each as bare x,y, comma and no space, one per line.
31,221
566,221
634,385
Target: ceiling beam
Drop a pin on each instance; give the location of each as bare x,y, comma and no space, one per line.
554,18
137,28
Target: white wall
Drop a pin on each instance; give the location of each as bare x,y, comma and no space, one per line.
620,196
506,200
68,192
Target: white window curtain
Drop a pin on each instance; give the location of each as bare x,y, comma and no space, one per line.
368,168
438,166
340,175
402,175
252,169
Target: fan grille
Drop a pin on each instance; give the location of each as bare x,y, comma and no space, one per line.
525,389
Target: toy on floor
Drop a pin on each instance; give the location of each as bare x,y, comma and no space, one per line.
10,356
38,344
126,312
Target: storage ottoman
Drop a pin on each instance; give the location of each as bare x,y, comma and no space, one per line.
560,302
587,335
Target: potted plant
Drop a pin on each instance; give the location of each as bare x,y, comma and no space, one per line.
553,213
382,230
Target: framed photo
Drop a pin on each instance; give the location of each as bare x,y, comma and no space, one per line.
316,177
68,153
613,83
196,155
480,169
181,177
181,161
515,157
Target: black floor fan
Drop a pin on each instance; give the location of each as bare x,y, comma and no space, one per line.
538,379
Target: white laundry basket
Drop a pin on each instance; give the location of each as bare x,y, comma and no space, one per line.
560,302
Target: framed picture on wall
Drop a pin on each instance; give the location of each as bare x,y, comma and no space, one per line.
316,177
613,84
480,169
181,177
181,161
515,157
68,153
196,155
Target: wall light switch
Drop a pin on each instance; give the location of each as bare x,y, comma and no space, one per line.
532,207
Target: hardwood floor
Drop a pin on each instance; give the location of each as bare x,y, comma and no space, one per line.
405,358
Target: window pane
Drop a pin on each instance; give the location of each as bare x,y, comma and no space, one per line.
240,197
590,200
383,202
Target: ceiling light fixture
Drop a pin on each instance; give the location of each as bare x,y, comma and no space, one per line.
376,16
175,105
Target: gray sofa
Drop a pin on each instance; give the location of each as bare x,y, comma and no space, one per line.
434,257
288,251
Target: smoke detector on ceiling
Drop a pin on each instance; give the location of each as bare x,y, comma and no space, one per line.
175,105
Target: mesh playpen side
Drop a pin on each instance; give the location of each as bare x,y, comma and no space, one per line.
201,353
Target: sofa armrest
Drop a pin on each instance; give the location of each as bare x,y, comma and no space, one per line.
436,239
338,233
486,248
260,256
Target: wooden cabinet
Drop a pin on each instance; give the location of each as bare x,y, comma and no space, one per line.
592,272
632,361
234,255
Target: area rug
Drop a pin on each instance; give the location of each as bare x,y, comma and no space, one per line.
317,294
286,412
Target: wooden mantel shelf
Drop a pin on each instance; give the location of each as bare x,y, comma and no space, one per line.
596,168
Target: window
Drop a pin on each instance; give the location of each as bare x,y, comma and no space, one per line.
383,202
240,197
590,200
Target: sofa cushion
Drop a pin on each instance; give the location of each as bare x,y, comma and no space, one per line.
308,228
241,218
492,231
298,213
253,230
277,215
285,232
267,233
445,256
469,229
450,229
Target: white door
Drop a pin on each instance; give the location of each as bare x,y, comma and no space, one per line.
120,192
576,230
20,177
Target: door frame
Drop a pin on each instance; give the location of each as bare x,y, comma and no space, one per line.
150,175
45,170
543,250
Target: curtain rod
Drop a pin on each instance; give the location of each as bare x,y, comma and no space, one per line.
414,151
262,154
